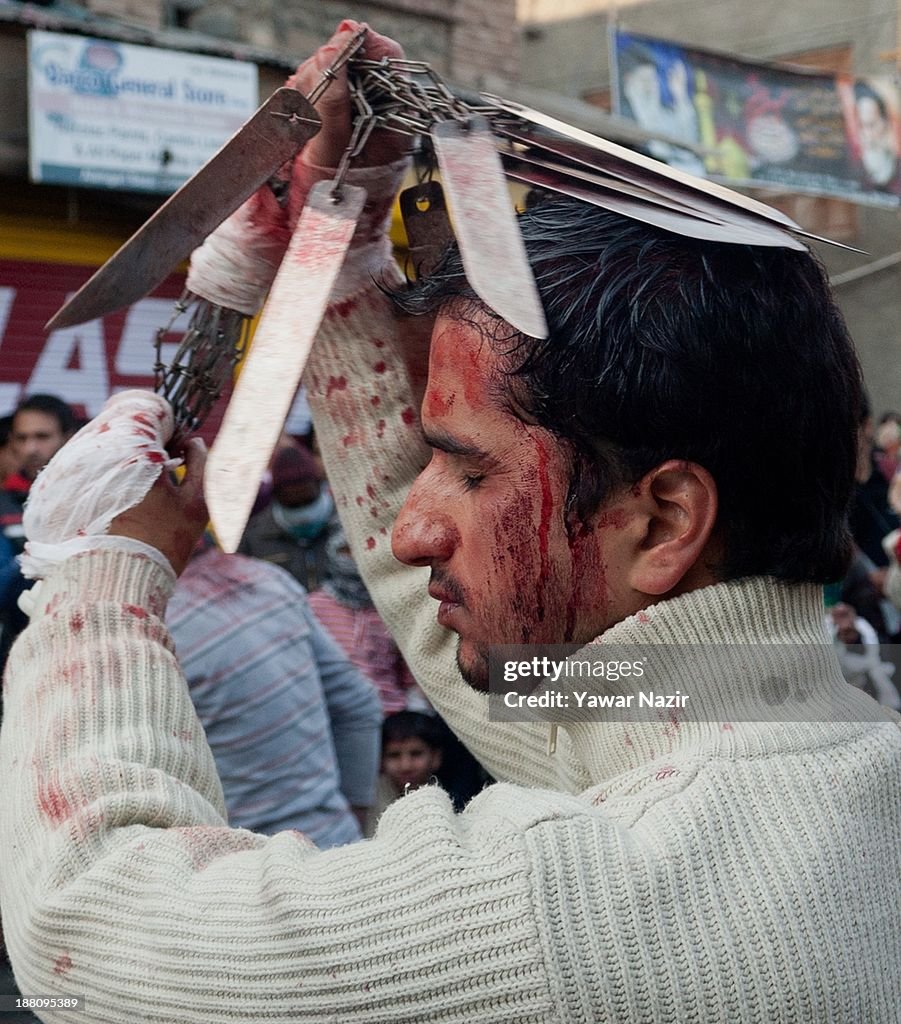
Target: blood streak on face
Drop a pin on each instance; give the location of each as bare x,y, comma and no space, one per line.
487,514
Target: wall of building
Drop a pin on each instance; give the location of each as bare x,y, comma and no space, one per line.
463,39
572,57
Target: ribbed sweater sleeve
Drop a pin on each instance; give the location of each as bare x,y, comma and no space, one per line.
121,882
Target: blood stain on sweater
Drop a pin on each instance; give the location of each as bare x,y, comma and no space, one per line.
53,802
133,609
408,416
76,623
380,366
335,384
62,964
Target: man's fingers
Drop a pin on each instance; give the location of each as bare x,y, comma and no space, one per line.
191,489
327,147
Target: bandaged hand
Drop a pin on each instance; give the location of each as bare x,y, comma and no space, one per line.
109,487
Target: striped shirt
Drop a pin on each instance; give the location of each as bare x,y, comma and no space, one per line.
293,727
365,639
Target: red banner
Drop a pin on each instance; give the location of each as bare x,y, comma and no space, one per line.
85,364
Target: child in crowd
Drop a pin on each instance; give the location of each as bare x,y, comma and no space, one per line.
412,751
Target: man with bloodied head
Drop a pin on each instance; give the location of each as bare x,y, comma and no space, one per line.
669,470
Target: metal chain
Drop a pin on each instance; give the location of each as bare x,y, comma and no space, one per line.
403,96
204,362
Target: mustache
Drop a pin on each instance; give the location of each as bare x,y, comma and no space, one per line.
450,587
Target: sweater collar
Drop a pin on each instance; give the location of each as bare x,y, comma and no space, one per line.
756,611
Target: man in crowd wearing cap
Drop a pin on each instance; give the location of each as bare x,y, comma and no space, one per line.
292,530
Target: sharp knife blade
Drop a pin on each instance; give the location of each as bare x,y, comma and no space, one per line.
272,369
670,219
697,186
491,247
640,204
252,155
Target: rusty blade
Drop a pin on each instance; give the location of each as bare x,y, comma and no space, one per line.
491,247
273,367
253,154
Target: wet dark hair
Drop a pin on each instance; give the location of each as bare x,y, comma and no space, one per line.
50,405
663,347
412,725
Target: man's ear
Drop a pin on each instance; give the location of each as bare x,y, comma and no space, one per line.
678,502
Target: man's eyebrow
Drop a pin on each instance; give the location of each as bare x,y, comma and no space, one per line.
444,442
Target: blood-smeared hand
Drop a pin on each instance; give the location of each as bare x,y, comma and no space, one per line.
172,516
327,148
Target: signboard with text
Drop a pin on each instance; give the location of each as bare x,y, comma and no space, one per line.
104,114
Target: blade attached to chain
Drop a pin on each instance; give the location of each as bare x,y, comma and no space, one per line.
273,367
255,152
491,247
426,224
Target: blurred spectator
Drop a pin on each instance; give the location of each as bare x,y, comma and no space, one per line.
871,516
864,589
264,495
860,656
9,460
293,727
888,441
892,547
40,426
293,528
412,751
344,607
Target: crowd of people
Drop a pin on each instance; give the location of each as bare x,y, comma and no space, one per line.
612,483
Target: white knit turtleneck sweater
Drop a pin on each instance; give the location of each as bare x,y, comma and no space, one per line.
702,874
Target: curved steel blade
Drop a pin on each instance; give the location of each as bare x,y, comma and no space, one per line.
252,155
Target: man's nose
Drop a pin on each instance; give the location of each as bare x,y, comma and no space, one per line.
424,531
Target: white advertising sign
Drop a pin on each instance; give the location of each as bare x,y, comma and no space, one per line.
104,114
